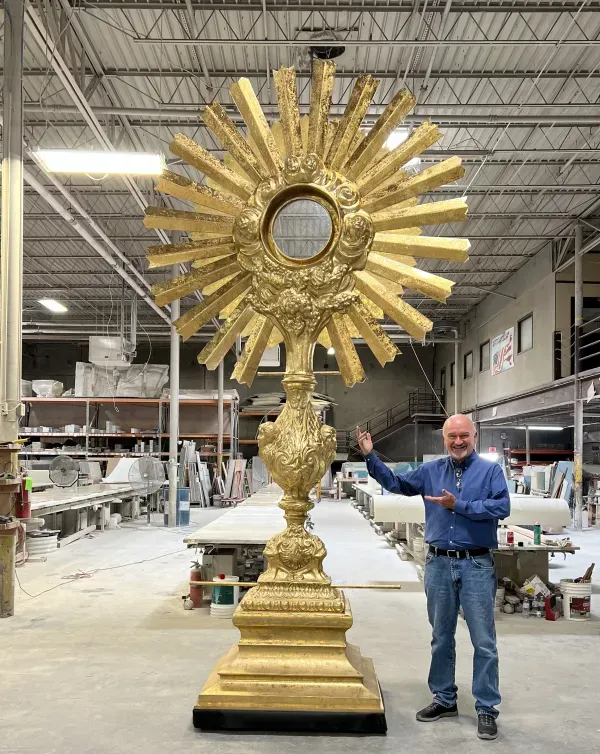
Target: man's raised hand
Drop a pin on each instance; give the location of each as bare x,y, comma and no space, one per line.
364,441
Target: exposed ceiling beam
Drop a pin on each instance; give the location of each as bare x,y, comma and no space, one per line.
401,6
361,43
384,75
168,113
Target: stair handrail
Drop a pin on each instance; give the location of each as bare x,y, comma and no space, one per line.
412,404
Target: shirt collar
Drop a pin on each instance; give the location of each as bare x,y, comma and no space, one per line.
463,464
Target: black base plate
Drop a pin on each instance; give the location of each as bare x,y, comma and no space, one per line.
268,721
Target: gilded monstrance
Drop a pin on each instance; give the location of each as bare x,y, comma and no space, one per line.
292,656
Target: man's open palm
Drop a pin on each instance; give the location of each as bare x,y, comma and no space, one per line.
364,441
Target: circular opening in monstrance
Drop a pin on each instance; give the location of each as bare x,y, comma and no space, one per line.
302,229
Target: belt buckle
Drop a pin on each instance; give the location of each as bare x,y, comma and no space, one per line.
454,555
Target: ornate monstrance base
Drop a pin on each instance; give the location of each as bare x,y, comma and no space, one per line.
292,672
292,669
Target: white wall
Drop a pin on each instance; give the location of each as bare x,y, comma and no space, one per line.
533,287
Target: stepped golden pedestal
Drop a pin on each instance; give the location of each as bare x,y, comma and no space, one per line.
292,672
292,669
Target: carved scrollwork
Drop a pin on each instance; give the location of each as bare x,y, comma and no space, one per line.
356,239
348,196
246,232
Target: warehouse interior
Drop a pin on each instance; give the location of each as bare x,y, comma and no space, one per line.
130,477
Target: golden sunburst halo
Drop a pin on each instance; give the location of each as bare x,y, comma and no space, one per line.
360,274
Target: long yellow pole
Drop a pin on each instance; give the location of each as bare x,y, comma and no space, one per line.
256,583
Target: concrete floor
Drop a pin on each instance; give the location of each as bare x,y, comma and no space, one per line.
112,663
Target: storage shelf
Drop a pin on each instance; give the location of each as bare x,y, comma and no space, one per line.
132,401
124,434
202,435
52,452
51,434
522,452
260,413
72,409
117,454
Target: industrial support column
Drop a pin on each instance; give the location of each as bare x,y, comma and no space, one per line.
11,274
174,410
527,446
457,395
578,402
416,442
221,376
11,290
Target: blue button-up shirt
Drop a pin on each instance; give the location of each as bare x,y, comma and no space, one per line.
481,498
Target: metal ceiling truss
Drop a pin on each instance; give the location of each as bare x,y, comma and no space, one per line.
515,85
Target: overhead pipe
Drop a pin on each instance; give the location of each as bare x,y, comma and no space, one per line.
193,32
93,242
440,35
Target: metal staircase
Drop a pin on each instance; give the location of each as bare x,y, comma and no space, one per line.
421,406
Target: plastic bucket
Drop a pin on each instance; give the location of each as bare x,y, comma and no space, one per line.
182,515
499,602
224,598
577,599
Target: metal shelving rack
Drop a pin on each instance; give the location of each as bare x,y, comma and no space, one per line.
91,407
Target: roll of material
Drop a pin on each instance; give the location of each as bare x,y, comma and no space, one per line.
40,546
525,510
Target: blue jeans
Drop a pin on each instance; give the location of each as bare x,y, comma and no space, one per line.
471,584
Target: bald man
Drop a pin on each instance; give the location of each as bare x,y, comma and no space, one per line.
465,496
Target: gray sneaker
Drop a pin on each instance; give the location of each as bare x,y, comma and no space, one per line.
435,711
486,726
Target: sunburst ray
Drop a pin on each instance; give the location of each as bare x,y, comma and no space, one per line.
184,188
345,352
214,351
247,366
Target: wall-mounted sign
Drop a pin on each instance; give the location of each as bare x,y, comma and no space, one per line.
503,352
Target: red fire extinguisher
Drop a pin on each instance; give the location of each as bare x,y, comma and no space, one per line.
197,591
23,503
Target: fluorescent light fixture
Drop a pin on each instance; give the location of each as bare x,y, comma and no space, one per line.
490,456
54,306
541,428
397,137
101,163
331,351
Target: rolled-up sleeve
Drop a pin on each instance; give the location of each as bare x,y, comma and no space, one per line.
410,483
496,506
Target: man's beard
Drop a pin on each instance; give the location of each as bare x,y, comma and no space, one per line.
459,452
